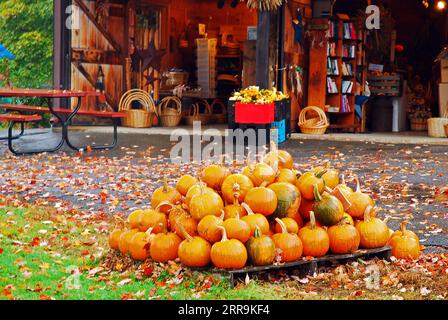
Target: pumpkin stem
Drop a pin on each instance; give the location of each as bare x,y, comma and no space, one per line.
368,213
148,233
358,185
317,195
165,184
321,174
298,173
236,199
257,233
312,220
185,233
223,214
282,225
224,233
403,226
247,208
264,184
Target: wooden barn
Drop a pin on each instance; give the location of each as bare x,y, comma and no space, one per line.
134,44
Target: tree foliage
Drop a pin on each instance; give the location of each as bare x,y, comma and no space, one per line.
26,29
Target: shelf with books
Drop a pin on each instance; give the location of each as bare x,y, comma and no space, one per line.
335,86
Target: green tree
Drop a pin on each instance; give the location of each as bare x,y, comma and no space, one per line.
26,29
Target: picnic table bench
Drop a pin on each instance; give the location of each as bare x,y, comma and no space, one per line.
63,116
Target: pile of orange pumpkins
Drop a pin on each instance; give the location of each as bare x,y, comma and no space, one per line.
268,213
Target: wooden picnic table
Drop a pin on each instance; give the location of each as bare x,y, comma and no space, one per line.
64,116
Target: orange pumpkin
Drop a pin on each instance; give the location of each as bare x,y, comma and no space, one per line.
165,193
228,254
373,231
205,204
194,191
134,219
348,219
331,177
236,184
114,237
234,210
153,219
405,244
165,247
290,225
404,232
306,183
289,244
286,175
237,229
255,220
260,173
315,240
189,224
279,158
140,244
344,238
260,249
194,252
125,240
360,201
262,200
175,213
214,176
208,228
185,183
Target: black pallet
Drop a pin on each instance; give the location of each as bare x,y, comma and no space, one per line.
305,267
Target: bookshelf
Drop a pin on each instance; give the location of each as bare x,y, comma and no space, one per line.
335,85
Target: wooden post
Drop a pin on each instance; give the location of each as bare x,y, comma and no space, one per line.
262,69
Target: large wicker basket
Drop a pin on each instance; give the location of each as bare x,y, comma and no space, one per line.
314,125
436,127
170,112
137,118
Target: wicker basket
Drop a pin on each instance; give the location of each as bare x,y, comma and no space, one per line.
219,118
137,118
170,112
436,127
196,115
316,125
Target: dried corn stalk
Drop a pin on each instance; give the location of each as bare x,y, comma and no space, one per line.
264,5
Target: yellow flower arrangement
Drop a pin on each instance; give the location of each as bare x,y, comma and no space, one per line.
255,95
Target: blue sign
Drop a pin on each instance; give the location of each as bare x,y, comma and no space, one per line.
5,54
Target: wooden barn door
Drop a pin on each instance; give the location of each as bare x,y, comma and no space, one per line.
98,42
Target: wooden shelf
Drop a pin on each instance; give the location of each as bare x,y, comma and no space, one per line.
318,94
